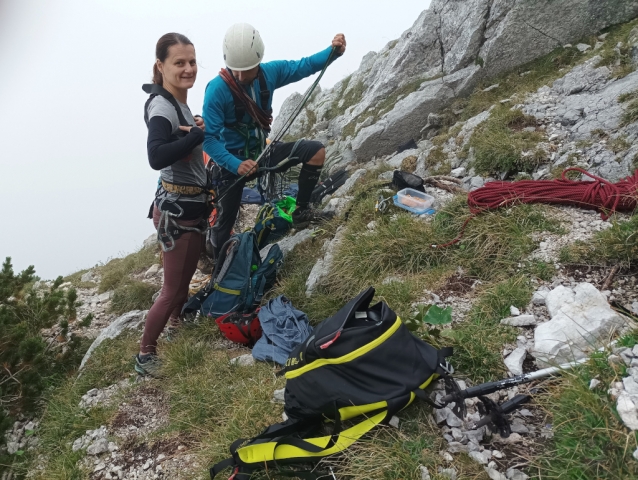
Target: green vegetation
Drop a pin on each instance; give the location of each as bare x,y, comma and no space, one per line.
409,163
618,59
631,110
29,365
557,172
132,295
117,271
620,144
616,245
64,421
501,144
347,98
589,439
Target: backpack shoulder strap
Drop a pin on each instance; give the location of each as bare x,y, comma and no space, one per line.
153,90
264,93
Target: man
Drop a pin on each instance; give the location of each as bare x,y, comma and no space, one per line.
245,89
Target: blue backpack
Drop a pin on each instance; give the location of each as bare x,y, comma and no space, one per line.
240,278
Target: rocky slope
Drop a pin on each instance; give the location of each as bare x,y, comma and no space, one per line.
451,47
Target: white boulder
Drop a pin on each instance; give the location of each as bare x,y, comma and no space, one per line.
582,320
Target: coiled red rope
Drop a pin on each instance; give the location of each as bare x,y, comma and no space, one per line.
601,195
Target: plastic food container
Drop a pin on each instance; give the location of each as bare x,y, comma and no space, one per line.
414,201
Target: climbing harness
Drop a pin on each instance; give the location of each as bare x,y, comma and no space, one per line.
168,230
601,195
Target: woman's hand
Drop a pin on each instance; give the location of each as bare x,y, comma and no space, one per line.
188,129
199,122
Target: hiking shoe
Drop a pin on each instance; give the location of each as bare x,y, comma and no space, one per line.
302,218
150,367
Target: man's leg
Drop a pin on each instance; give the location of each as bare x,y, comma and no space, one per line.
227,210
308,178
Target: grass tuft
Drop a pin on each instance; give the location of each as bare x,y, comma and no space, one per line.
132,295
117,270
630,115
501,144
616,245
589,439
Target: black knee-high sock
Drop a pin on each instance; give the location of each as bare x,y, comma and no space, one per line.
308,178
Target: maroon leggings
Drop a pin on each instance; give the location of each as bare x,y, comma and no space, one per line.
179,267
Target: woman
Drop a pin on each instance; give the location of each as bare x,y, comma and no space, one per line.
175,149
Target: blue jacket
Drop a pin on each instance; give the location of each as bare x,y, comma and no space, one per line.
219,107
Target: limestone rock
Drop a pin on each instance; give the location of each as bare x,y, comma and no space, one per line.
630,385
130,320
152,271
337,205
481,457
397,160
278,396
448,473
581,319
289,243
520,321
98,447
514,438
88,276
627,410
151,241
350,182
425,473
514,362
495,474
323,265
458,172
105,297
245,360
539,296
514,474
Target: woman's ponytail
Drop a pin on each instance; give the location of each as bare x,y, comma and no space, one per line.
157,76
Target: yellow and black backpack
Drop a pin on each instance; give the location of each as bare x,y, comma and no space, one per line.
358,369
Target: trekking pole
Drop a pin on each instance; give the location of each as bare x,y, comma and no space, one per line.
287,124
459,395
491,387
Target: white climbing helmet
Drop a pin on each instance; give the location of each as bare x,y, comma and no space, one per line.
243,47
